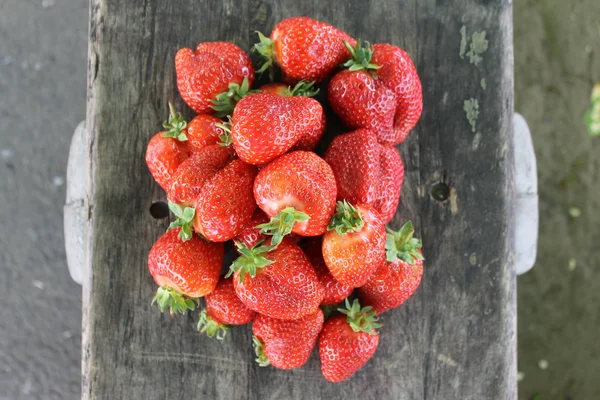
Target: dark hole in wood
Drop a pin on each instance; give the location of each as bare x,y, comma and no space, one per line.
159,210
440,191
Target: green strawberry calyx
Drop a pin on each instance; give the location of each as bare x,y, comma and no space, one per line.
360,319
402,245
175,125
212,328
361,57
185,219
264,47
282,224
302,88
328,309
251,259
346,219
225,102
169,298
259,349
225,138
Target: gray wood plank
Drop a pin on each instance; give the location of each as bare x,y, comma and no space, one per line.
454,339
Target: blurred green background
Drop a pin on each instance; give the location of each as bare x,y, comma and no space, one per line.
557,61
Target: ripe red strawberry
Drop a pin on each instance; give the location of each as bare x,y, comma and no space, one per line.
380,91
335,292
348,341
390,183
366,172
265,126
399,276
354,247
167,150
398,73
286,344
226,203
304,49
225,102
184,271
297,191
310,140
361,101
204,131
251,235
213,193
193,173
302,88
206,72
223,309
277,282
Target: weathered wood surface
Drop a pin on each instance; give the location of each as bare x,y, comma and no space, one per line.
454,339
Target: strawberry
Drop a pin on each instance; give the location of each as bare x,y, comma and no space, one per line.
278,282
399,276
167,150
366,172
297,191
302,88
286,344
348,341
251,235
361,101
354,246
310,140
398,72
213,193
189,179
380,91
226,204
204,130
264,126
335,292
304,49
390,183
184,271
225,102
206,72
223,309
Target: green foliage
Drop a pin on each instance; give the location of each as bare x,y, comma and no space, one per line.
175,125
281,225
361,57
169,298
360,319
402,245
185,219
251,260
346,219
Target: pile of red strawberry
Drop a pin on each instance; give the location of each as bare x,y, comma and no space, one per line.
308,230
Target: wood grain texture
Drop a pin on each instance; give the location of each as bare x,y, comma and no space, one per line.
454,339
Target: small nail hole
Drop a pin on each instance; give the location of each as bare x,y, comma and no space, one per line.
159,210
440,191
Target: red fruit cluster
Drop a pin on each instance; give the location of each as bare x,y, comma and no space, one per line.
308,230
